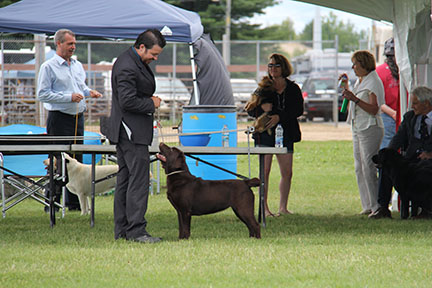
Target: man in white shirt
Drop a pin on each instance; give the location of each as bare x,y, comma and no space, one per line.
62,89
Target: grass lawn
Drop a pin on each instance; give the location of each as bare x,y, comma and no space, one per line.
324,244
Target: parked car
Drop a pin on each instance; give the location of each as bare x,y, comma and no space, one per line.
299,79
171,91
242,91
318,94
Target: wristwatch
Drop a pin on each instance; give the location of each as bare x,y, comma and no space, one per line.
357,101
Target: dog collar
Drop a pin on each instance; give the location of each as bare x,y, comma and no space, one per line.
175,172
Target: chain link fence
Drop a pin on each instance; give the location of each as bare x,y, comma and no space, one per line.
21,58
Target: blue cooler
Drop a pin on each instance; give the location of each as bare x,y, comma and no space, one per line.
209,118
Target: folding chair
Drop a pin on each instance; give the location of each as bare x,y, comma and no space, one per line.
32,181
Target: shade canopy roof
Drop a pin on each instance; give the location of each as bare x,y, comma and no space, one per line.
124,19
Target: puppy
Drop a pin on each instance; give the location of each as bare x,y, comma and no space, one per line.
79,180
194,196
261,122
264,94
413,181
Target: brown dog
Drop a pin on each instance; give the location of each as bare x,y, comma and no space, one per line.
194,196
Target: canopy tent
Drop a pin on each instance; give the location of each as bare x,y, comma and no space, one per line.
124,19
412,29
212,76
101,18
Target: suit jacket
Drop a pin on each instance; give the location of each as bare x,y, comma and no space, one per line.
405,139
133,84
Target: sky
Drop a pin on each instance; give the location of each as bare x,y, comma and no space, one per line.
302,13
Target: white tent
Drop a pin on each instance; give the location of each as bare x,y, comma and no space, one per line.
412,28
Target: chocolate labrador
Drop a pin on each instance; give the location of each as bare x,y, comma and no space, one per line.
194,196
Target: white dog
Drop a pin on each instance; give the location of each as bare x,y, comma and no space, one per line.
79,183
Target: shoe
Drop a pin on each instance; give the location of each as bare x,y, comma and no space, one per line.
380,213
121,236
365,212
424,214
74,208
145,239
46,209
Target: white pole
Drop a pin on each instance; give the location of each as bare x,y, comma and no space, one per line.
195,84
226,49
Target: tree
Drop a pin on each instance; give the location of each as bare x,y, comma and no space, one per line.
212,15
285,31
4,3
331,26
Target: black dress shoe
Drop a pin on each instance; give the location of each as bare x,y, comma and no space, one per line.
121,236
46,209
381,213
145,239
74,208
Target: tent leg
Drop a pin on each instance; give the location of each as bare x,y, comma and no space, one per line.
195,84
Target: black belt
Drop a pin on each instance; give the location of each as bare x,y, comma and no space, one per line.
67,114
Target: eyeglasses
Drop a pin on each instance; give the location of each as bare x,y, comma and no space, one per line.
273,65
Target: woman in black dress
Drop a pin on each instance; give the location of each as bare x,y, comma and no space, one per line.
284,107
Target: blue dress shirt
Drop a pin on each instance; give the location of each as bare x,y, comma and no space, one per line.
57,81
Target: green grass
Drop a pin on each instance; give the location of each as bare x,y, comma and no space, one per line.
324,244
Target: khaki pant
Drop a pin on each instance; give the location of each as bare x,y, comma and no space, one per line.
366,143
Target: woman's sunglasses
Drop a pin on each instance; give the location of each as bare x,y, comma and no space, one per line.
274,65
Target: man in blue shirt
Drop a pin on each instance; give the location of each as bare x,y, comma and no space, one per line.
62,89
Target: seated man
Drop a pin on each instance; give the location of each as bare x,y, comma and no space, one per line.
413,137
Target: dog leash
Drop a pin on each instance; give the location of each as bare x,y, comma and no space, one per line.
249,130
76,127
218,167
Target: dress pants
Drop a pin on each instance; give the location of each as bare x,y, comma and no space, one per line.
62,124
366,143
132,188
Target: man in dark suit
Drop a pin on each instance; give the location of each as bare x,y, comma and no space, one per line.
131,129
413,137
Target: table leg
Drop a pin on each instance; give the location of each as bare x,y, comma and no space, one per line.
261,212
52,190
93,191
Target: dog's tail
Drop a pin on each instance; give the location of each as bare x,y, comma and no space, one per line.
254,182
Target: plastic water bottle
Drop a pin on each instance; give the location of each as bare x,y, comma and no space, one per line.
225,136
279,136
342,85
155,141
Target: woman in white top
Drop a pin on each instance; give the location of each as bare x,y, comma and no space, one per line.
367,127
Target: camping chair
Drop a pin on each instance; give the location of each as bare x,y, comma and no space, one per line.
31,182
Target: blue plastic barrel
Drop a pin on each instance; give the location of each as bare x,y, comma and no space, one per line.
210,118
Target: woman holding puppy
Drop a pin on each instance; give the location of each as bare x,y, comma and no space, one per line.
367,127
280,99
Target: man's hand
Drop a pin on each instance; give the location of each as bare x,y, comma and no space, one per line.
95,94
156,101
425,155
76,97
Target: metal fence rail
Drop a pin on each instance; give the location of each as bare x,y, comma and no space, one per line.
22,57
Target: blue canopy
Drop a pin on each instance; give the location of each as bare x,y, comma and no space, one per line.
120,19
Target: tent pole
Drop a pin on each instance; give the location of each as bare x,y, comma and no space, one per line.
2,89
195,84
